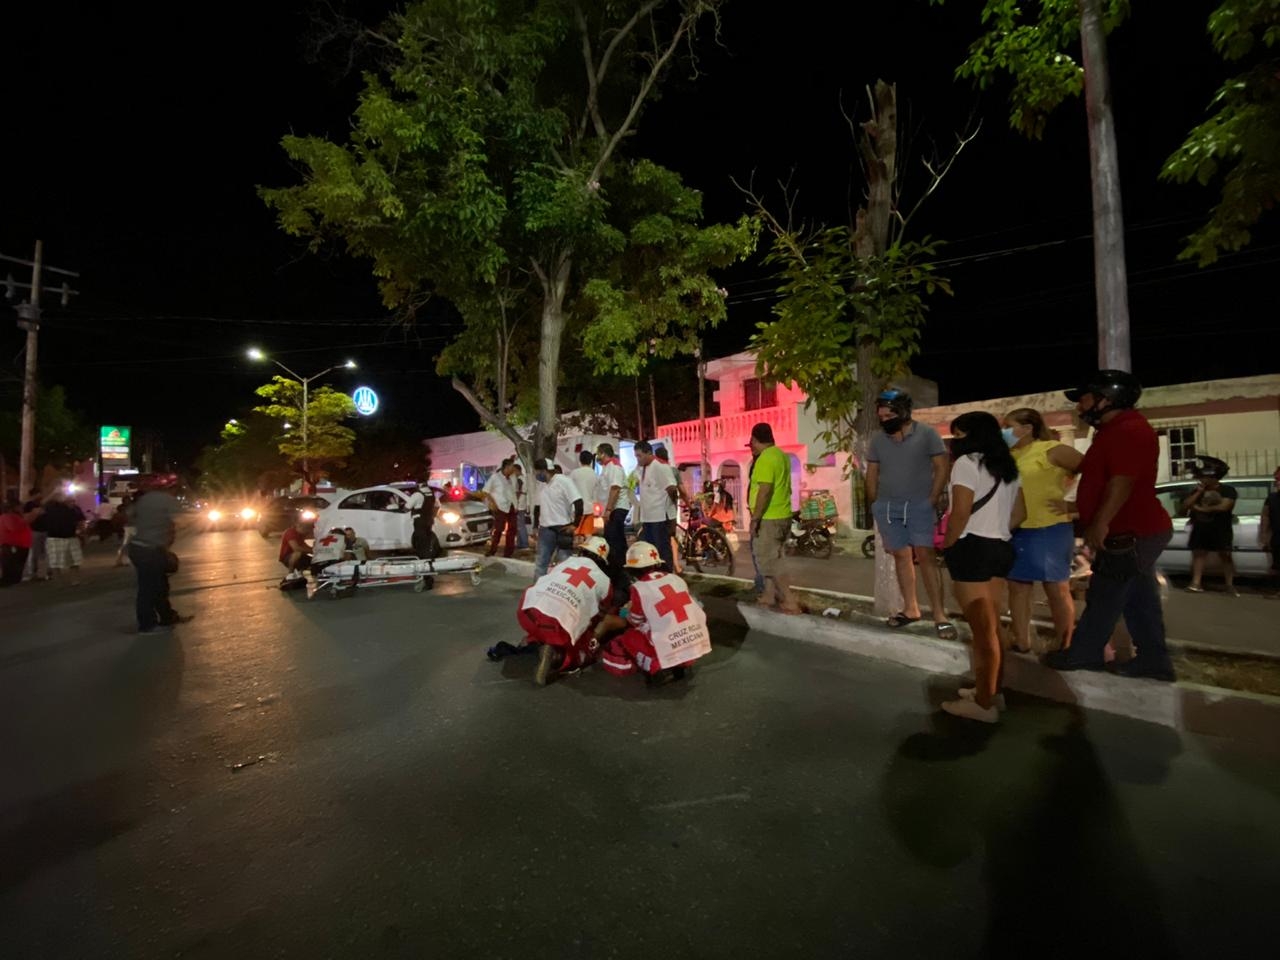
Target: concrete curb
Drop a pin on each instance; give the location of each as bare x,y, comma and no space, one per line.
1187,707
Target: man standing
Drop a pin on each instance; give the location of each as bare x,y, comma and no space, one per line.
613,492
584,480
500,492
656,492
154,514
559,515
37,556
1124,525
906,475
62,521
422,512
769,500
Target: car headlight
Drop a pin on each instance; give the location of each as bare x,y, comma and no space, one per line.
248,513
215,515
308,515
450,517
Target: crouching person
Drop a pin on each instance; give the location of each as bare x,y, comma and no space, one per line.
294,552
561,609
665,629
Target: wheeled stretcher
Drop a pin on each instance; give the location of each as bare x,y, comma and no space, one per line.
333,579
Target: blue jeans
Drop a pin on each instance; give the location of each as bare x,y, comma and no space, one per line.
522,531
659,535
548,553
1136,599
152,604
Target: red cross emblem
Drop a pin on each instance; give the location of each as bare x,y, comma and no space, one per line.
579,576
673,602
328,541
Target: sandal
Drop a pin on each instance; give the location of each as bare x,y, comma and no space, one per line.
900,620
1192,588
946,630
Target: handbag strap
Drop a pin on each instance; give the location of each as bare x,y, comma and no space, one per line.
985,498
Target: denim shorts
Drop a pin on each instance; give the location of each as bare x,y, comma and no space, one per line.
904,523
1043,554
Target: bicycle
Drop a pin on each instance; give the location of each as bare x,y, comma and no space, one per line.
703,543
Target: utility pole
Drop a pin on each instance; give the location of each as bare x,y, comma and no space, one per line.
29,320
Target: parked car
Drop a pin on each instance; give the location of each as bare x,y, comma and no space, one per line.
227,515
381,515
283,512
1251,493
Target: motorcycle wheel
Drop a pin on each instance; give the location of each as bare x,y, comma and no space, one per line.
869,546
711,548
815,543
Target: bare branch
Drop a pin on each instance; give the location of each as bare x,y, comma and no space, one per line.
591,110
937,173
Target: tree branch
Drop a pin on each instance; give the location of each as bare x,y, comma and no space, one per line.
591,111
497,421
937,173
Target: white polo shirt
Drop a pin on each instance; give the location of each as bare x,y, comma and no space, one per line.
612,475
584,478
556,506
655,479
502,490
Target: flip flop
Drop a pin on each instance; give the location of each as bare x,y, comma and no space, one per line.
900,620
946,630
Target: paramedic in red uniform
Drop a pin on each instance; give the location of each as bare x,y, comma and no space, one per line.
561,609
666,628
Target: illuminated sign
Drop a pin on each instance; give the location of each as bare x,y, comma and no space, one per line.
113,445
366,401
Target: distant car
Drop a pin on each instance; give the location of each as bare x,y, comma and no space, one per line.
227,515
381,515
283,512
1251,494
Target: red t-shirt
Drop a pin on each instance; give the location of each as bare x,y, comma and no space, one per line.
14,531
1125,446
288,541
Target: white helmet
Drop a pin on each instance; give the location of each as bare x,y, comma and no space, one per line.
597,547
642,556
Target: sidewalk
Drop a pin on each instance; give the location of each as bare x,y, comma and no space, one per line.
1213,620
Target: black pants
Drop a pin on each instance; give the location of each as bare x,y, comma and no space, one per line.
153,585
12,560
615,534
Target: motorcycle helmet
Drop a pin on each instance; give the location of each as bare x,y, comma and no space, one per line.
1209,468
1119,386
899,401
643,556
596,547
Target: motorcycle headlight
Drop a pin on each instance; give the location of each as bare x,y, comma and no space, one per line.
308,514
248,513
450,517
215,515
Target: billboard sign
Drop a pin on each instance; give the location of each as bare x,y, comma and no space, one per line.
113,446
366,401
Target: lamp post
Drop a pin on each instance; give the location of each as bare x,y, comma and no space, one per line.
256,354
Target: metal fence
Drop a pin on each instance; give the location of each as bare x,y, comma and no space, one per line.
1243,463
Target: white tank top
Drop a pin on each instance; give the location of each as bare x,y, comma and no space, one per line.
677,622
570,594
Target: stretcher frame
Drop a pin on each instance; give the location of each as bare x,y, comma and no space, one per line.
340,578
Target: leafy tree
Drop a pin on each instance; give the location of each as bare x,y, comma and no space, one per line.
246,457
1240,143
1034,44
62,435
328,443
485,166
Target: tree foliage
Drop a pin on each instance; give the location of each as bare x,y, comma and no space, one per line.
328,442
246,457
1239,144
485,166
62,434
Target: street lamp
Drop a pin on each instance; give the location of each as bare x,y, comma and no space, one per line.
255,354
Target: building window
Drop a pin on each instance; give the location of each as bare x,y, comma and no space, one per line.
758,395
1183,447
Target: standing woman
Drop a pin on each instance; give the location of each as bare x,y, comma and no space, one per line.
986,502
1043,546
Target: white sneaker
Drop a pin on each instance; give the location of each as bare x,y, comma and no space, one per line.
971,711
968,693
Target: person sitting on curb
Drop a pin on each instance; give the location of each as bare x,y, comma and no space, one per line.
665,627
560,611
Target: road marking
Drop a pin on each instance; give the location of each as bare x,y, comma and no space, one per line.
701,801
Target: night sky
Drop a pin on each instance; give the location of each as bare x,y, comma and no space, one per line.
134,145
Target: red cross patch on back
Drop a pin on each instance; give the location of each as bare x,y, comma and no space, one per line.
579,576
673,602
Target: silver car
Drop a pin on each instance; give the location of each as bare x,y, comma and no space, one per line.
1251,494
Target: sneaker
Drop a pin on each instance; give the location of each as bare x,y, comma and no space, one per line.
971,711
968,693
548,661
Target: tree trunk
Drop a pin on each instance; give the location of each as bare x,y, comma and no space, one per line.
1110,281
554,285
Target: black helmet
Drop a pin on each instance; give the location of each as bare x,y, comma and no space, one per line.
899,401
1209,468
1119,386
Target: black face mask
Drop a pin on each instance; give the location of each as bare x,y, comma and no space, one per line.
892,425
1093,416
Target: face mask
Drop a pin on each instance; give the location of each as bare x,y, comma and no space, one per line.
1092,416
892,425
1009,438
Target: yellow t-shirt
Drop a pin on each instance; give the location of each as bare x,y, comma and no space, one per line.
1042,481
772,466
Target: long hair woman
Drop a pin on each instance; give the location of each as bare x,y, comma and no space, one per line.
986,504
1045,542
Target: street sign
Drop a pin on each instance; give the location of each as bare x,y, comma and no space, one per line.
113,445
366,401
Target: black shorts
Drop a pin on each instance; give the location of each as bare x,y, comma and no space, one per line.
1211,536
979,559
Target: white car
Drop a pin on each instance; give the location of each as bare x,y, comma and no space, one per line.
1250,559
381,515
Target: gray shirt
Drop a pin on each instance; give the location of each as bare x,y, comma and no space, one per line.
906,467
153,516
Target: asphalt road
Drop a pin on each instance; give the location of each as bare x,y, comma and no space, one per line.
352,778
1212,619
